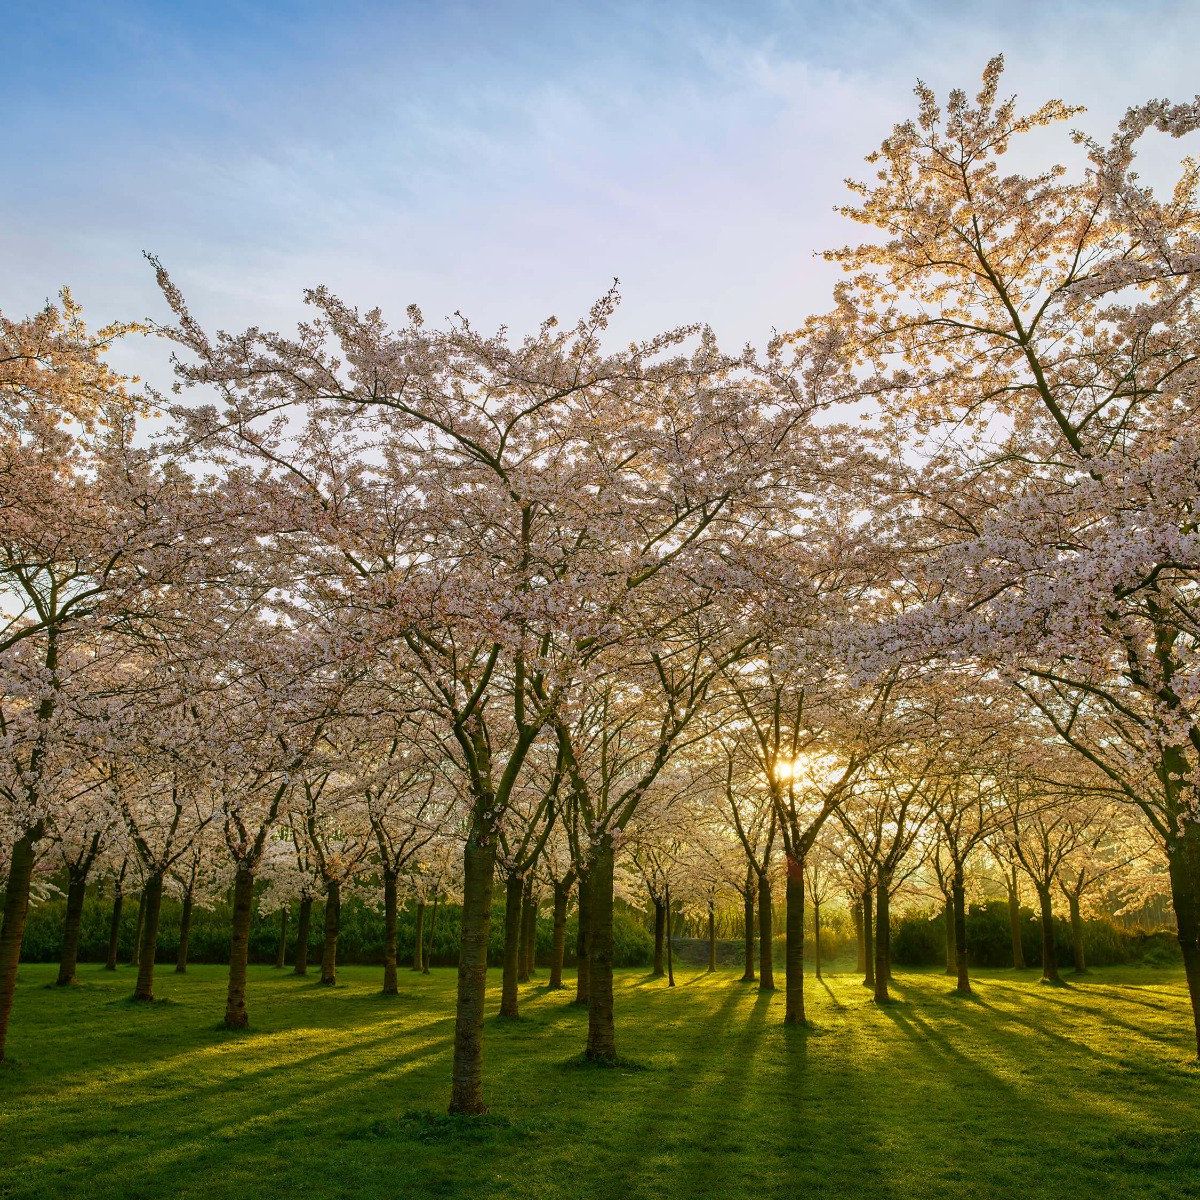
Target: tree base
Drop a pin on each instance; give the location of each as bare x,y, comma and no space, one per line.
1057,982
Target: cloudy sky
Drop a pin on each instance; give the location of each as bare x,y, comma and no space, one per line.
504,159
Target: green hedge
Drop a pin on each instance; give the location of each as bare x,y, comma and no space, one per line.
360,938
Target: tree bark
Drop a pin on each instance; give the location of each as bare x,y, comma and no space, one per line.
303,928
860,946
794,954
281,948
135,957
479,863
963,984
670,940
333,920
766,934
114,928
1049,953
514,888
529,913
1077,935
868,938
602,1037
236,1016
558,946
748,900
948,915
12,932
185,933
390,984
432,931
882,928
1183,859
152,891
1014,920
76,890
712,936
418,963
660,926
583,942
817,934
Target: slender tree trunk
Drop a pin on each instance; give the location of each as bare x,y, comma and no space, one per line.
766,936
712,936
583,943
12,932
514,888
529,907
281,948
114,929
670,941
1014,920
860,946
432,930
963,985
479,863
748,900
1049,953
236,1016
185,932
303,928
333,920
660,927
602,1036
558,946
390,985
1077,935
794,953
418,963
1184,867
951,953
882,929
817,933
868,938
135,957
76,890
151,911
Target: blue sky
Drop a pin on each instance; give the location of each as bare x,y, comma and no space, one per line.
504,159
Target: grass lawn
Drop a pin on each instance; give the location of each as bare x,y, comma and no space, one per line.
1028,1091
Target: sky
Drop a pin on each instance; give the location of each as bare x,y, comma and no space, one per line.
503,159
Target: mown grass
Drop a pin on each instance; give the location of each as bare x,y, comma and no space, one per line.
1026,1091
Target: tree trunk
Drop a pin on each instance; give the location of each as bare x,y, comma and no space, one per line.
152,892
948,914
1014,920
281,949
514,888
1183,860
1077,935
868,938
558,947
794,954
963,984
660,927
602,1037
390,985
882,929
529,909
479,863
1049,954
333,920
76,890
670,940
712,936
114,928
860,946
432,931
12,932
748,900
185,933
418,963
135,956
303,928
236,1016
583,943
817,934
766,934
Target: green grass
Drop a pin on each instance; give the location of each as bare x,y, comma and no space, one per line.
1027,1091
